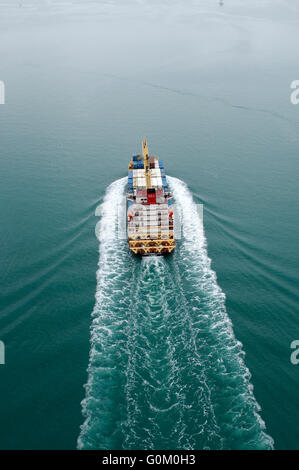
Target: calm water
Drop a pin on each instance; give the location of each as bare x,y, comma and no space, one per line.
172,343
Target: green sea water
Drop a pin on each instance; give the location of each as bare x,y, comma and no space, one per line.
192,351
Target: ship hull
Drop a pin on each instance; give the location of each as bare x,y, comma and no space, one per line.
149,212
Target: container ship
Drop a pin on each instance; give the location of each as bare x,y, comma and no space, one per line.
150,215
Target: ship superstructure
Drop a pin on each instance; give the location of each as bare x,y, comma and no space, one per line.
150,216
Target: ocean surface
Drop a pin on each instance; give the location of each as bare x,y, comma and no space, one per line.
105,350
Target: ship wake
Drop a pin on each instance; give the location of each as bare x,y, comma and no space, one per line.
165,369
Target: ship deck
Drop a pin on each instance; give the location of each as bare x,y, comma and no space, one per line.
150,230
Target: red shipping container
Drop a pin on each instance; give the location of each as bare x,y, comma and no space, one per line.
151,196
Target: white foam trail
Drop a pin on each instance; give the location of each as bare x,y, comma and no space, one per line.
165,368
167,398
109,321
225,355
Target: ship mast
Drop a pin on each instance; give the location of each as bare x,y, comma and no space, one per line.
145,154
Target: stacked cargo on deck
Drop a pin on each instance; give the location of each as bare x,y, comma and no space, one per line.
138,162
130,181
152,161
150,219
156,179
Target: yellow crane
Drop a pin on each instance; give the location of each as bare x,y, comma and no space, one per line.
145,154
